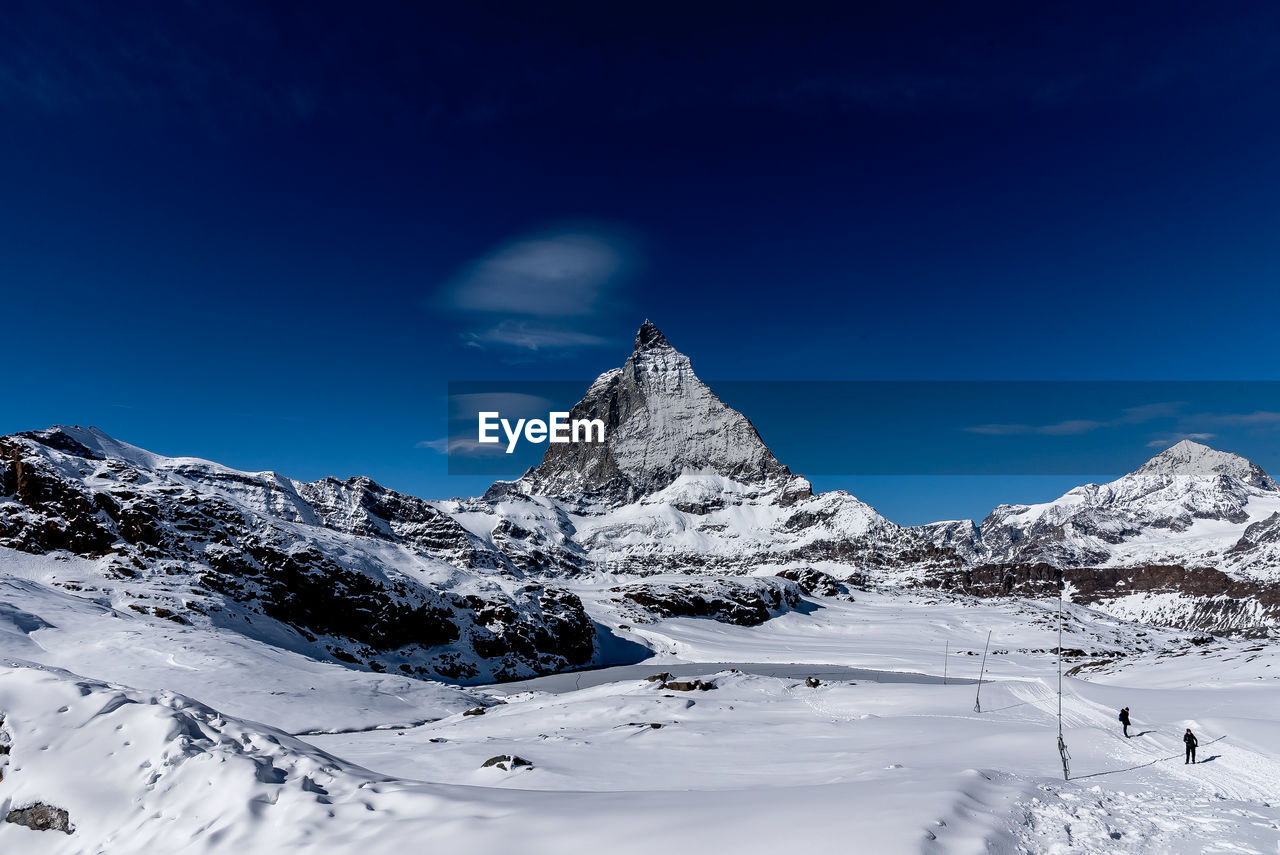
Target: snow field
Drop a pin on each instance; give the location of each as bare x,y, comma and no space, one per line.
761,764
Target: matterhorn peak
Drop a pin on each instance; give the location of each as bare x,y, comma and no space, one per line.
649,337
661,422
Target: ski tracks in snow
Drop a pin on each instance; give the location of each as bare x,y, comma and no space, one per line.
1226,803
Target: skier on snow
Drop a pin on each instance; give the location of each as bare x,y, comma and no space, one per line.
1124,719
1191,742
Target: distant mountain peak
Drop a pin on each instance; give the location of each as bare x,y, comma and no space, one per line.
649,337
1198,460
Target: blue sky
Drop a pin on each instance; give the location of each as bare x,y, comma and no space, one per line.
271,234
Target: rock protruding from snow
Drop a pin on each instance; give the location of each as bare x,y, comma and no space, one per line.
660,421
41,817
745,602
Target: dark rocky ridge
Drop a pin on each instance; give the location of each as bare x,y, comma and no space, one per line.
1214,601
745,602
180,541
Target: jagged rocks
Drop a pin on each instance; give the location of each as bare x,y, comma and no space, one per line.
65,515
506,762
358,572
815,583
660,420
361,506
545,627
41,817
1202,598
474,711
689,685
746,602
6,745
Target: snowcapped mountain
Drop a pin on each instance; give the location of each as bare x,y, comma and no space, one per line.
661,421
246,661
340,570
683,483
1190,505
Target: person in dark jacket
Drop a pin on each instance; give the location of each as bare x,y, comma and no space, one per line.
1124,719
1189,739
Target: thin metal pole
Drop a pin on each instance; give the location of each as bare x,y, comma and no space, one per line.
945,653
977,699
1059,664
1062,743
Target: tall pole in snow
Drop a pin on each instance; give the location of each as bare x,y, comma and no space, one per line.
977,699
946,651
1059,665
1062,744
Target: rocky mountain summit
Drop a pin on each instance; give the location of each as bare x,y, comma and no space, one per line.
1188,503
1190,538
683,483
661,421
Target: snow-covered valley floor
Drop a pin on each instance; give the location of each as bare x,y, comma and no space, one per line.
96,725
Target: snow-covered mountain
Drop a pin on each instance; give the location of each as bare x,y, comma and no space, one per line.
683,484
661,422
669,493
246,662
1190,505
341,570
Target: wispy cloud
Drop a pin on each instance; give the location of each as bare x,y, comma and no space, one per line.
541,292
530,335
554,276
1166,441
1257,418
461,446
1072,427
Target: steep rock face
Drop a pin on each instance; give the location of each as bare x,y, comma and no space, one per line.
660,421
960,536
683,483
361,507
343,570
1189,505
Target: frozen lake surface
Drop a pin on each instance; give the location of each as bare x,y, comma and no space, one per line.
559,683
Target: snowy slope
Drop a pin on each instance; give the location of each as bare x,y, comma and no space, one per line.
344,571
758,764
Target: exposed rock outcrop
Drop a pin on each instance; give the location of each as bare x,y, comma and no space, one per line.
41,817
746,602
